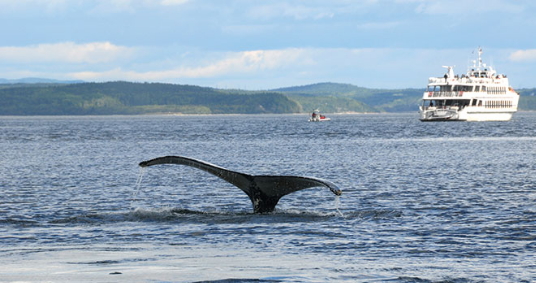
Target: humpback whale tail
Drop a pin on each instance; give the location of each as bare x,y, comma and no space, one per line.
264,191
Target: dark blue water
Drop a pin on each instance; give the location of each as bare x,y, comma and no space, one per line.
422,202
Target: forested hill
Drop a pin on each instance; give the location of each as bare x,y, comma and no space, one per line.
136,98
337,97
145,98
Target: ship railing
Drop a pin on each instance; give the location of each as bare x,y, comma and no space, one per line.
445,93
469,80
443,107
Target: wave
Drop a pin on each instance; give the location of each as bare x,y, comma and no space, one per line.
374,214
244,280
215,216
14,221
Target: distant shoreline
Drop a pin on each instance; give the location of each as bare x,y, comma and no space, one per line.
127,98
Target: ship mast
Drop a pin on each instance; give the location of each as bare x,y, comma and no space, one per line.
477,68
479,58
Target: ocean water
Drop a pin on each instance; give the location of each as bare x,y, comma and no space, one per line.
421,202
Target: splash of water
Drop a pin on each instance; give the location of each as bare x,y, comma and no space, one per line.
338,204
138,187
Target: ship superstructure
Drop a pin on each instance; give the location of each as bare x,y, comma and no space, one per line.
480,95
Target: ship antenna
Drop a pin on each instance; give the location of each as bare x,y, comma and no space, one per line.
479,57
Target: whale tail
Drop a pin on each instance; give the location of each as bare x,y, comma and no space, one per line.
264,191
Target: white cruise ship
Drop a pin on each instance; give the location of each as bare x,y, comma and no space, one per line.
479,95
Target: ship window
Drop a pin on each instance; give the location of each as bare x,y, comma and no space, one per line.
446,88
463,88
477,88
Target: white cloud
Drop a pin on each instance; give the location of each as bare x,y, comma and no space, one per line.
464,7
266,69
523,55
104,7
298,12
236,63
293,66
130,6
65,52
173,2
91,7
49,6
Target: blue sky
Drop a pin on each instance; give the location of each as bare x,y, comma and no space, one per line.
262,44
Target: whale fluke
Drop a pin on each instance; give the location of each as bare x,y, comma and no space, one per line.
264,191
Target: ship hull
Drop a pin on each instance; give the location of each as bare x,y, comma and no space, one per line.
467,114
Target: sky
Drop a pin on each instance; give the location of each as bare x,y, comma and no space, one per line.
266,44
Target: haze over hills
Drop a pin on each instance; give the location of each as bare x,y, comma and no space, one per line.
52,97
38,81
